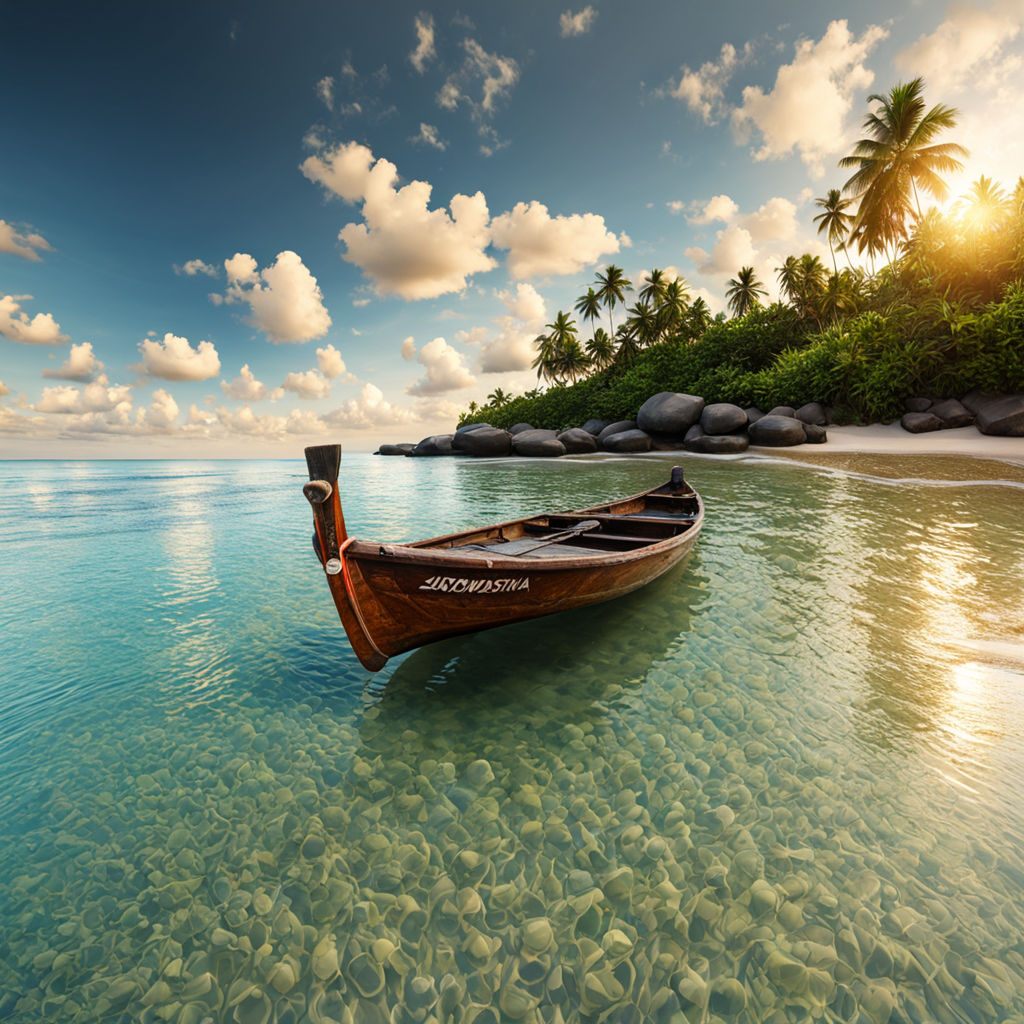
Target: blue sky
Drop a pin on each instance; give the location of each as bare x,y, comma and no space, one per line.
234,229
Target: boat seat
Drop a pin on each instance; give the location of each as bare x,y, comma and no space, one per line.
515,549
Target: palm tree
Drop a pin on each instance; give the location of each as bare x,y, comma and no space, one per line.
744,291
654,290
613,289
573,362
545,361
498,398
698,318
555,354
897,162
789,278
985,207
672,308
834,222
628,347
589,306
601,349
642,324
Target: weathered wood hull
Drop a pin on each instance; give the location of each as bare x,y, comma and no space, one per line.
395,597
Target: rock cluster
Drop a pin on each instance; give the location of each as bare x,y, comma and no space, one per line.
667,421
993,414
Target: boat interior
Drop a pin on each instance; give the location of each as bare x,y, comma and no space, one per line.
620,526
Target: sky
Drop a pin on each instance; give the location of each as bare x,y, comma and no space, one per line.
229,230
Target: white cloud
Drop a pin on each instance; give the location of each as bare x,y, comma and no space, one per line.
285,300
576,24
329,360
370,409
163,410
97,397
539,244
425,50
489,76
403,246
445,370
703,91
720,207
512,348
775,221
307,384
18,243
193,267
245,387
175,359
4,389
734,248
428,136
474,336
971,44
808,106
409,349
325,90
80,365
42,329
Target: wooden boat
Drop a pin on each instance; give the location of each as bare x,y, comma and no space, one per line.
395,597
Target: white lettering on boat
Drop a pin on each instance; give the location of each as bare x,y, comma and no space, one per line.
462,585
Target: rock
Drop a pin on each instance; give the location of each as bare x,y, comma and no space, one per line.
812,412
1002,417
395,449
578,440
594,426
753,414
920,422
518,428
952,413
815,433
488,441
717,444
473,426
974,400
537,444
918,404
627,441
695,432
782,410
669,412
777,431
615,428
722,418
436,444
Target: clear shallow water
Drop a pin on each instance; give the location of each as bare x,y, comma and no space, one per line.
782,784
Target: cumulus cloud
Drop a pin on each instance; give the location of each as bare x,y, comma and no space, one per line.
808,106
409,349
512,348
245,387
193,267
539,244
329,360
972,44
425,50
325,90
734,248
428,136
720,207
703,90
15,325
4,389
576,24
774,221
99,396
81,365
480,84
445,370
163,410
404,247
24,243
307,384
370,409
175,359
285,301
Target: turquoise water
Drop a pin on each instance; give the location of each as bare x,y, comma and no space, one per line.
781,784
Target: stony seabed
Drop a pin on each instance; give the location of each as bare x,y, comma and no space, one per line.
691,821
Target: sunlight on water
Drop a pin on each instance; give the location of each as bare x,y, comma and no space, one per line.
780,784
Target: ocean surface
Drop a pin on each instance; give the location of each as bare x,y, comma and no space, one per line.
783,783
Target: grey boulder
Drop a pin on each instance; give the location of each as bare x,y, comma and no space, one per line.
952,413
920,422
1002,416
436,444
537,444
722,418
753,414
578,441
594,426
815,433
812,412
715,444
918,404
488,441
775,431
669,412
395,449
615,428
628,441
783,410
518,428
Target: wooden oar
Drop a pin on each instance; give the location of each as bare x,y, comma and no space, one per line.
572,531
